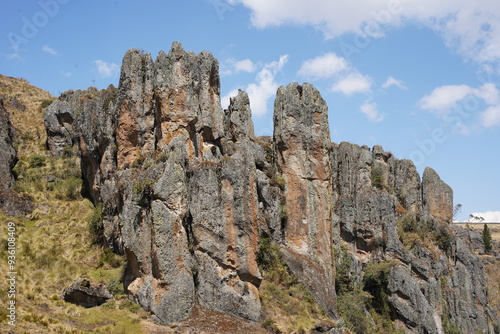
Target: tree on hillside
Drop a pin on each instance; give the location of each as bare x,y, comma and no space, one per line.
487,238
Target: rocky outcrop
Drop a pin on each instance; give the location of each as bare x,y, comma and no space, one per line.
187,189
302,156
82,293
10,202
8,156
437,197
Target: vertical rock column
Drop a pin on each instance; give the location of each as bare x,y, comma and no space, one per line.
301,151
437,197
135,135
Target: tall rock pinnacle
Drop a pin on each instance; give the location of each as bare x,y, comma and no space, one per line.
302,150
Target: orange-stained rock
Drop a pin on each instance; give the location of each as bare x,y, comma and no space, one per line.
302,154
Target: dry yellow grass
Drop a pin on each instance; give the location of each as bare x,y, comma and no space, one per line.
31,134
53,243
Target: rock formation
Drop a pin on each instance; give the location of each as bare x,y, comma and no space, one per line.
302,155
187,190
10,202
8,156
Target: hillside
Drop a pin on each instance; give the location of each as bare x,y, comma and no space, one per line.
196,225
54,244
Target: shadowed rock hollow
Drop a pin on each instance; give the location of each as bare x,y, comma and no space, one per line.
187,189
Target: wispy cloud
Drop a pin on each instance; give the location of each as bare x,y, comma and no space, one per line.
106,69
67,74
444,99
371,112
472,28
264,87
49,50
391,81
325,66
353,83
491,117
233,66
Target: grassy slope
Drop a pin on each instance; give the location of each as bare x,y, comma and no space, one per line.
53,243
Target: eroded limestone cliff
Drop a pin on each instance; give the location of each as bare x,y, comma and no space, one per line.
187,190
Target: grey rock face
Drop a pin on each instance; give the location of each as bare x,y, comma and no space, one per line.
8,155
437,197
302,155
10,202
59,118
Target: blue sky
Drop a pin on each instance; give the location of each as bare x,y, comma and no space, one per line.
421,78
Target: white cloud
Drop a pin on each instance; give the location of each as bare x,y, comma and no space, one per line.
67,74
470,27
353,83
233,66
106,69
445,97
371,112
324,66
245,65
491,117
391,81
489,216
263,89
49,50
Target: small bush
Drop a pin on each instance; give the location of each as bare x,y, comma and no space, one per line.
110,304
96,227
108,257
129,305
69,189
45,103
280,182
449,327
344,281
352,308
375,282
115,287
37,160
377,177
270,325
445,239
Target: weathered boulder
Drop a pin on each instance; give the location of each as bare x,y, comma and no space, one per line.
82,293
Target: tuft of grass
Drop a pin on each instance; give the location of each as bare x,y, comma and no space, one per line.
377,177
95,225
45,103
37,160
